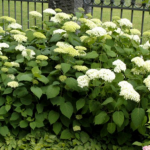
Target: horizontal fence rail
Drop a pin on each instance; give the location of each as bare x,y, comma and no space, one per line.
133,5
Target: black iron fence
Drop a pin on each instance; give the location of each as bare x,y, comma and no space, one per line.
19,9
131,5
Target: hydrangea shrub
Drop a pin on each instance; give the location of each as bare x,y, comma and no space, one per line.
76,75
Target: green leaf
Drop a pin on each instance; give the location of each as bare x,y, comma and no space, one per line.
57,100
36,72
80,103
7,90
4,130
56,37
65,67
57,127
23,124
118,118
66,134
2,101
25,77
137,143
103,57
107,101
91,55
137,116
111,127
129,51
100,118
84,137
52,91
53,116
36,91
72,84
29,35
66,109
7,107
14,116
3,110
43,79
111,53
20,92
33,125
39,108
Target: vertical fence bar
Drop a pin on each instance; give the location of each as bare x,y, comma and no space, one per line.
133,4
21,14
102,2
9,8
122,3
3,11
111,10
42,13
28,12
15,8
35,10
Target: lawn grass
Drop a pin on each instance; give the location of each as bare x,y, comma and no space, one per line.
137,18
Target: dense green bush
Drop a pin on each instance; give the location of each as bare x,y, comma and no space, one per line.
75,76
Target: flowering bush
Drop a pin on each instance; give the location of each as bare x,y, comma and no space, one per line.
76,75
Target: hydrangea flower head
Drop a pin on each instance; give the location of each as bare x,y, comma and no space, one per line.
106,75
135,32
59,31
125,22
97,31
128,92
13,84
80,68
8,19
109,24
120,66
83,81
92,73
41,57
35,14
49,11
20,38
138,61
20,47
39,35
146,147
71,26
15,26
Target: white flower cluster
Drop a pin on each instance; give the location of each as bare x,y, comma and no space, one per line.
20,47
128,92
120,66
49,11
91,74
135,38
15,26
15,64
59,31
146,45
3,45
147,65
28,52
138,61
20,38
109,24
59,17
83,81
90,24
13,84
125,22
97,31
147,82
119,31
106,75
35,14
11,76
